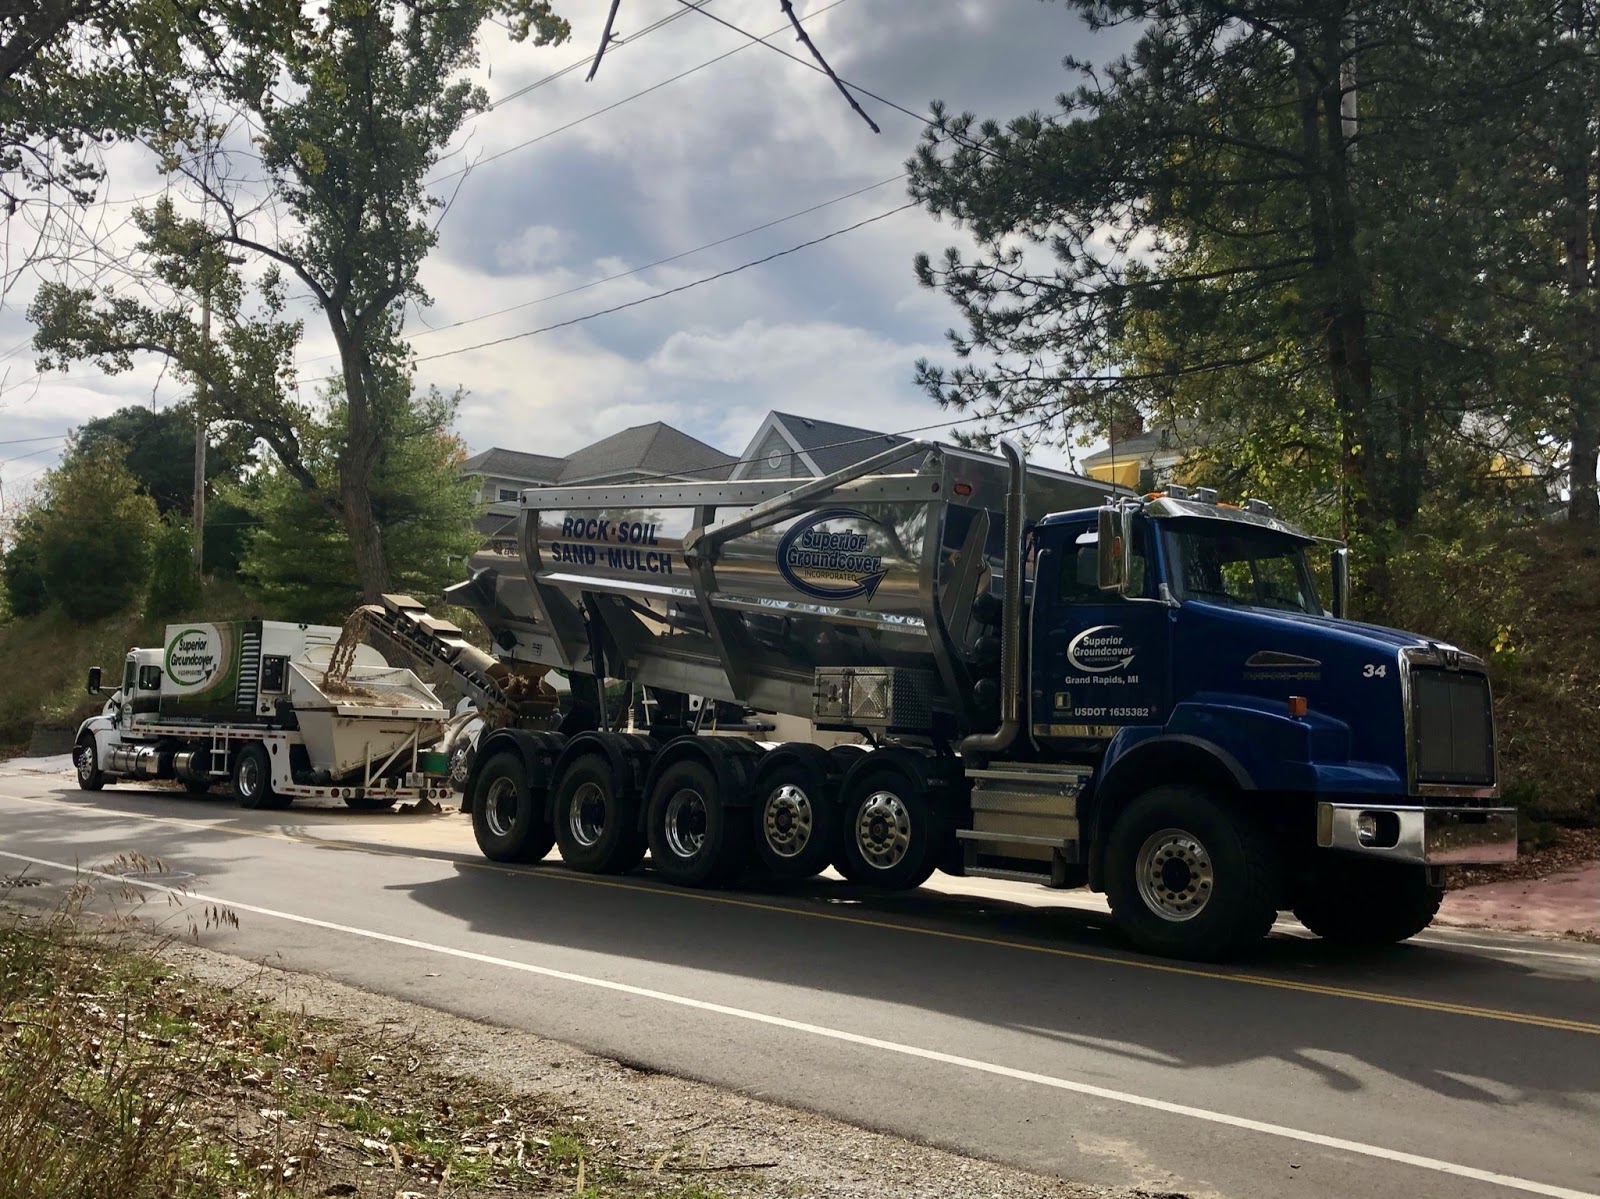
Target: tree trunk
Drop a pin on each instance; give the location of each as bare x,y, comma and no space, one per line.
1578,173
356,462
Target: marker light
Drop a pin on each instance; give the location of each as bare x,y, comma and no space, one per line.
1297,707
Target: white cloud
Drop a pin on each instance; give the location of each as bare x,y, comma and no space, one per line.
830,331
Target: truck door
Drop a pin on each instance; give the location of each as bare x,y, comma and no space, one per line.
1100,660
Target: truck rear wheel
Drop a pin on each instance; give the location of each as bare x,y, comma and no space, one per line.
1365,902
86,761
796,814
252,780
1189,878
695,840
506,820
890,837
597,829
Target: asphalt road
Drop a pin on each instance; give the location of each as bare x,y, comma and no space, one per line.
1000,1020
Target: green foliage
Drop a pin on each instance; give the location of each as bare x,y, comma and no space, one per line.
160,451
22,572
352,103
174,587
95,530
1361,306
300,556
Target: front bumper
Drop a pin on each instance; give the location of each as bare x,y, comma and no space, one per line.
1427,836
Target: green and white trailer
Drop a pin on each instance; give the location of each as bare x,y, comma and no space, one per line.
252,702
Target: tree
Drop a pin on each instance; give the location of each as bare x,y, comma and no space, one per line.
350,112
22,572
160,451
300,556
78,75
1263,215
92,529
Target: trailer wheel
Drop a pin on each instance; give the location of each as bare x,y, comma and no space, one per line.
695,840
1362,902
1188,877
252,780
796,817
597,829
505,819
890,835
86,760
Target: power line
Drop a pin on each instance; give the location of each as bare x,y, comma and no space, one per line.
710,245
585,61
671,291
804,62
26,440
628,99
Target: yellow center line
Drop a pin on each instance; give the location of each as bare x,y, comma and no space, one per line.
1446,1007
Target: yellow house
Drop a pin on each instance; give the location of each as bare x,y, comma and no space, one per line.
1144,459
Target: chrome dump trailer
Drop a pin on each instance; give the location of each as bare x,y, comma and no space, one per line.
1053,681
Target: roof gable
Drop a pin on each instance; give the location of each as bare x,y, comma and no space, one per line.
653,449
516,465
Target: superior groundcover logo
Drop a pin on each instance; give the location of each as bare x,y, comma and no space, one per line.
193,656
825,561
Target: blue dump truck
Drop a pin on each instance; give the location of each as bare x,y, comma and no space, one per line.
1046,680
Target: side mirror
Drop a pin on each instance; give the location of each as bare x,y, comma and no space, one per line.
1115,548
94,680
1341,583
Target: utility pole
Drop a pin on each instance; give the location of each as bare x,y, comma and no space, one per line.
200,440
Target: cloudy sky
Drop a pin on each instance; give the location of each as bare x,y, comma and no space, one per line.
830,331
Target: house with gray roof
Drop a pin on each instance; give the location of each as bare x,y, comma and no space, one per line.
643,453
787,446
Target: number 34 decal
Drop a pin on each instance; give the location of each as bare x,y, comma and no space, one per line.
1376,670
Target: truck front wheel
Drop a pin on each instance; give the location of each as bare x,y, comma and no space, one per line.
1189,877
695,840
509,825
1357,901
86,760
891,836
596,828
252,780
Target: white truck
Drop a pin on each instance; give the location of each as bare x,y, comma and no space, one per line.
261,704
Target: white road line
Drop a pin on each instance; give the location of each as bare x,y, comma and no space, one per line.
1444,943
1437,1166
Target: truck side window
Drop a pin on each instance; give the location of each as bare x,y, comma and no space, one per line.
149,678
1080,571
273,669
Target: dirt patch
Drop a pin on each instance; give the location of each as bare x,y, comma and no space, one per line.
1564,850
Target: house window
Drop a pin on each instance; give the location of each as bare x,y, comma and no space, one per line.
509,493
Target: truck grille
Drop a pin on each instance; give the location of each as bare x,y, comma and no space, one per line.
1452,728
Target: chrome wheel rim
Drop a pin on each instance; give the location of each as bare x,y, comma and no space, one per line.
249,778
500,807
883,830
85,762
684,823
787,821
1175,875
459,762
587,818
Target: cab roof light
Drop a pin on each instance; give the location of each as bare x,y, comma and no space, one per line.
1297,707
1259,507
1177,491
1206,495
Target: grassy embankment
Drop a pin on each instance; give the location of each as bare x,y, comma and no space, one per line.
121,1080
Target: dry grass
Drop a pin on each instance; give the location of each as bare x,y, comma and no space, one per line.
119,1080
47,659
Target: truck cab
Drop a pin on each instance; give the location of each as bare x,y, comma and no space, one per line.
1177,641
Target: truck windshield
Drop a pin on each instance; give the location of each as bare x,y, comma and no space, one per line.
1234,564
